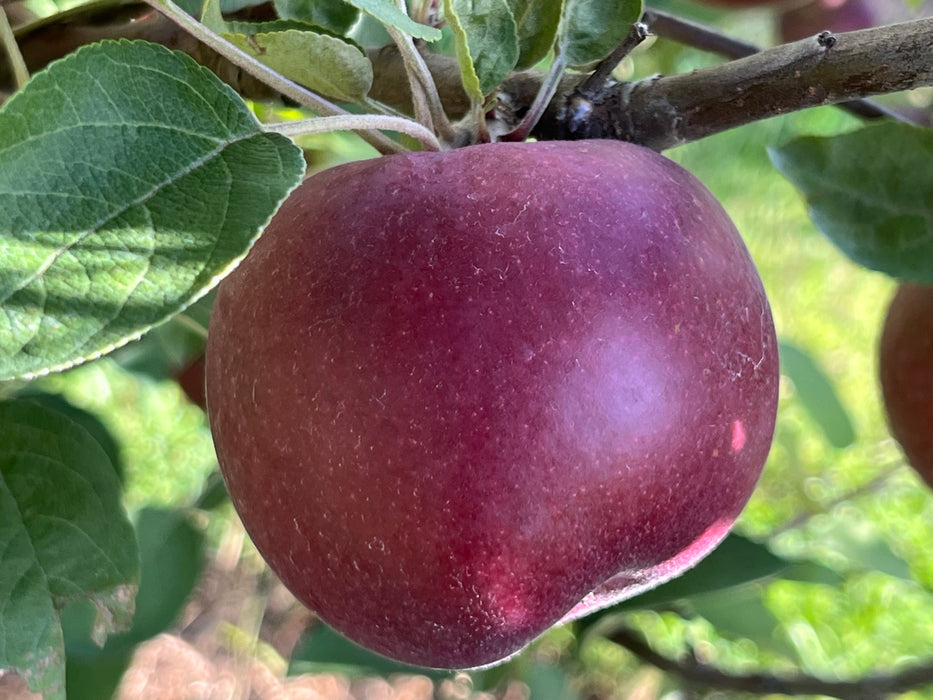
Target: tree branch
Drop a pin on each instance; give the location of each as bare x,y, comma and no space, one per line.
658,112
695,673
689,33
665,112
699,36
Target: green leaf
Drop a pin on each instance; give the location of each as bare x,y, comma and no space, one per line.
131,181
171,562
334,15
196,7
817,395
169,348
550,682
325,64
486,40
742,614
536,23
871,193
91,423
213,492
591,29
212,17
388,13
324,650
734,562
468,75
172,559
371,33
95,677
172,555
858,543
811,572
63,537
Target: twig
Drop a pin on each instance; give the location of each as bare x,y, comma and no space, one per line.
664,112
660,112
545,94
693,672
870,487
705,38
425,99
594,83
699,36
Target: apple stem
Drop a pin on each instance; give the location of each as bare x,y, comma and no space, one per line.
357,122
259,70
424,94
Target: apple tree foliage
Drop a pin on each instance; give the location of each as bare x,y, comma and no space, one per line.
133,179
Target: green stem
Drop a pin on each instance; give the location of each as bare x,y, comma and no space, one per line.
8,42
425,97
542,99
262,72
357,122
185,320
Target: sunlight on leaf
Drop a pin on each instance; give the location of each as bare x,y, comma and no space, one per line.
131,181
387,13
63,536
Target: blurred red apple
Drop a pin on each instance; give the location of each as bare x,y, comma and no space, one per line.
458,397
828,15
191,380
906,368
747,3
845,16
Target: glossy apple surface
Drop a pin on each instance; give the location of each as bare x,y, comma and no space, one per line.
906,369
459,397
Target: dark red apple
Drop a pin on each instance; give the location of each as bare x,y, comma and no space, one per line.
906,369
845,16
458,397
191,380
747,3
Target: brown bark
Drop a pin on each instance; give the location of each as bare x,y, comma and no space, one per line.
668,111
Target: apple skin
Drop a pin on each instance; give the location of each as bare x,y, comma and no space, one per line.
906,371
460,397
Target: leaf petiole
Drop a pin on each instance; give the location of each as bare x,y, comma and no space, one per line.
262,72
357,122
